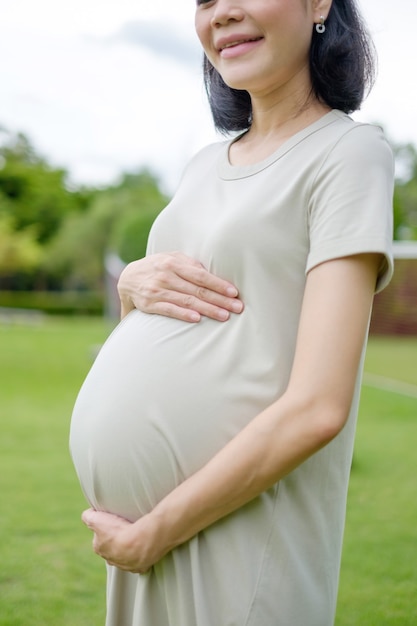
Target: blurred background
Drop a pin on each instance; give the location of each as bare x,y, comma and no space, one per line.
101,106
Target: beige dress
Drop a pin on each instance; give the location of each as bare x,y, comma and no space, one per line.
163,396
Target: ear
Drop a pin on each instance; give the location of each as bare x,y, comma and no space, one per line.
321,8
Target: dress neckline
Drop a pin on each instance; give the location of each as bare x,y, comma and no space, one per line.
227,171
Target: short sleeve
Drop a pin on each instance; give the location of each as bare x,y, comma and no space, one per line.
351,201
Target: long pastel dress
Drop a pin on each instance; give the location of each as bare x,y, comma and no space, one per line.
163,396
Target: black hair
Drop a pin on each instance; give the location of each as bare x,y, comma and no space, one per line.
342,70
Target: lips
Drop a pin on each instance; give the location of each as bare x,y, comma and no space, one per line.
224,44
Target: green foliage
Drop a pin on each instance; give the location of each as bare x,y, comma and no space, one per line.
54,237
405,195
55,302
142,194
75,256
34,203
36,192
19,251
118,219
131,235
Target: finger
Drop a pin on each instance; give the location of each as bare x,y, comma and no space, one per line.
192,271
198,300
129,568
187,312
87,518
205,295
187,294
125,307
200,277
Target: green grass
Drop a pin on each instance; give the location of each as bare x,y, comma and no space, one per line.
48,573
393,357
379,571
379,567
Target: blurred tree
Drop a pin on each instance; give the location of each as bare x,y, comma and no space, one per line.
19,251
405,195
37,192
118,219
130,235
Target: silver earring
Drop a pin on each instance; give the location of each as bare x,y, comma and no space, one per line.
320,28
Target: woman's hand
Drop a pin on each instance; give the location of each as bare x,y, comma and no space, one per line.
175,285
121,543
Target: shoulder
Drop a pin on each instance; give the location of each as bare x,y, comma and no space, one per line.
208,154
201,163
357,143
348,153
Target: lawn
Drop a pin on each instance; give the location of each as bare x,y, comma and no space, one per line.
48,574
379,566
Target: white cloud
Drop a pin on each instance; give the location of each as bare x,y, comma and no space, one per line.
100,109
159,37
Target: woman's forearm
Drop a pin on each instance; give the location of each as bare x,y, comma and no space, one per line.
271,446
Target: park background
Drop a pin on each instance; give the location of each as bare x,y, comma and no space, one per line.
101,108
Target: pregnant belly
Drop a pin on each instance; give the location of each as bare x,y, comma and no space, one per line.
161,399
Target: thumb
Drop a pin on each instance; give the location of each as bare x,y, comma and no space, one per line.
88,517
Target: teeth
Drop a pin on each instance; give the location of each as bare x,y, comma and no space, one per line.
236,43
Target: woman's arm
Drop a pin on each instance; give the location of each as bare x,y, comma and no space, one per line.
312,411
175,285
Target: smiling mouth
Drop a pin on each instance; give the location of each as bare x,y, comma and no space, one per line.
238,42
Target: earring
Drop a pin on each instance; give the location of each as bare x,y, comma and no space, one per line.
320,28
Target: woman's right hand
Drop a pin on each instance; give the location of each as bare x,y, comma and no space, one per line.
175,285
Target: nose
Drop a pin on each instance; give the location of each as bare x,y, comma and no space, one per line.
226,11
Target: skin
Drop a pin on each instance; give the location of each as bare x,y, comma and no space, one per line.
338,295
176,285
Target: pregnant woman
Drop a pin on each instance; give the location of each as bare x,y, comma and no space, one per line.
213,435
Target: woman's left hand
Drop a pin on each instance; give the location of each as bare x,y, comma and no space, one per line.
119,542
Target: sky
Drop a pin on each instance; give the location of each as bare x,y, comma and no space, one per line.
101,87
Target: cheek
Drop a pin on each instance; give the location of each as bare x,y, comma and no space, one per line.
199,28
202,29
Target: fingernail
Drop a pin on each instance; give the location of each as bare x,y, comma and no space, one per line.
237,306
223,315
232,292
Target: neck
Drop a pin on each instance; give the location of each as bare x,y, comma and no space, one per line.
288,108
275,118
